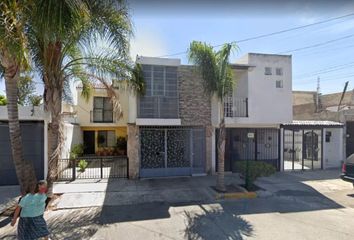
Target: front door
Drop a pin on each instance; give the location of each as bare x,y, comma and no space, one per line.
198,151
89,142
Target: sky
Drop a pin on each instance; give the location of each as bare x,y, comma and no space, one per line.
167,27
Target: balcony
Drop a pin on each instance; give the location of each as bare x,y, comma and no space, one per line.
163,107
102,116
236,107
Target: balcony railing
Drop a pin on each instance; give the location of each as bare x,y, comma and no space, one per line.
102,116
158,107
236,107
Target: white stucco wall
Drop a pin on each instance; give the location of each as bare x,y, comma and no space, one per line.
27,113
267,105
72,136
333,150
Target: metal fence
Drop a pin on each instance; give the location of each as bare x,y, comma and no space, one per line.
96,168
236,107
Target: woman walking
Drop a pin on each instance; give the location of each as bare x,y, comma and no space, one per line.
31,209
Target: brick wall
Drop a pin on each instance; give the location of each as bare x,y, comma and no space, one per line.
194,105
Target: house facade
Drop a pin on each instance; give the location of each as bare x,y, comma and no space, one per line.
101,126
169,133
260,102
172,129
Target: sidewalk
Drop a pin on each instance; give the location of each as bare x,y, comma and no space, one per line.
116,192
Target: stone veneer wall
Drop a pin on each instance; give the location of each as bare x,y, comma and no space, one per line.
133,151
195,106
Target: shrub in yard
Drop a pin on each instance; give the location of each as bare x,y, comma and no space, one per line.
255,170
82,165
77,151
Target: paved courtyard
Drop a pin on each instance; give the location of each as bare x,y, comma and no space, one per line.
310,205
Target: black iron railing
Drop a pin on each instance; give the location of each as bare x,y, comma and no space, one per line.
96,168
236,107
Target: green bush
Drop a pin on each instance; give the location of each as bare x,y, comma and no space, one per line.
255,170
82,165
77,151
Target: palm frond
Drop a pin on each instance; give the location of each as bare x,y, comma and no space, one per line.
214,67
204,58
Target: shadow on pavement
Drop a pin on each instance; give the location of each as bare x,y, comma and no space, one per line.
216,224
128,213
78,224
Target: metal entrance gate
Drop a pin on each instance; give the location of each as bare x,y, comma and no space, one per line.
258,144
302,149
172,151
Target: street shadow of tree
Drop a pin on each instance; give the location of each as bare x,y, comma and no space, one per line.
73,224
216,224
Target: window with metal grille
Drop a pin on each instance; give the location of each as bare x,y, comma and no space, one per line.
279,84
268,71
102,109
279,71
160,99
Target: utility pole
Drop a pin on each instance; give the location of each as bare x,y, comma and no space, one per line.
318,95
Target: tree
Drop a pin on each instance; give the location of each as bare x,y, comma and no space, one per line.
61,33
13,59
26,88
218,80
3,100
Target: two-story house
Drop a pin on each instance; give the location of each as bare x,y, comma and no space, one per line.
260,125
169,133
99,122
260,102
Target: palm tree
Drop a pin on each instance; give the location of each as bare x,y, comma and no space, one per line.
13,59
217,78
61,33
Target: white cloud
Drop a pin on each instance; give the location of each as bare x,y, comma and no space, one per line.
147,42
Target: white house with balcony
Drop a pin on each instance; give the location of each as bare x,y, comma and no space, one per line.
259,120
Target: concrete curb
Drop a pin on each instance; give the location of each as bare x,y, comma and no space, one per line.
238,195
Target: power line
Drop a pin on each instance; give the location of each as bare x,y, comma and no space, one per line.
270,34
326,70
317,44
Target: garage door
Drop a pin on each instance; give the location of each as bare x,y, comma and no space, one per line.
33,147
172,151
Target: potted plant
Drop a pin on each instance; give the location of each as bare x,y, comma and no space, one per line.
110,151
99,152
104,152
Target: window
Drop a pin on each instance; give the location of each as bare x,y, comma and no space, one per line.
279,71
268,71
160,99
279,84
106,139
102,109
328,136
